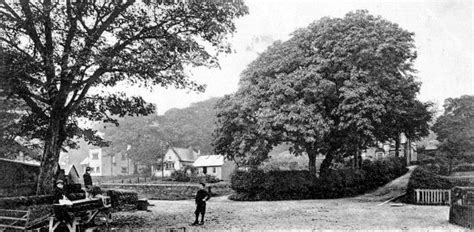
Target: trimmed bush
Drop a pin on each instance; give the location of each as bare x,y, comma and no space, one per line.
180,176
257,184
211,179
423,179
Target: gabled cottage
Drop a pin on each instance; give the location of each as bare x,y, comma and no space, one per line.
176,158
214,165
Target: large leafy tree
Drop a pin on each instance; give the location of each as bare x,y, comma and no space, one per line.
329,89
455,129
60,50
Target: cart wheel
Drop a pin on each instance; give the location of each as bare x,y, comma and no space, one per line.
103,218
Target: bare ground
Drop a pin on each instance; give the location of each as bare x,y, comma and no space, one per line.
365,212
334,214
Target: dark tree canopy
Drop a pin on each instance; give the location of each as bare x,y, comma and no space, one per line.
335,87
57,51
455,129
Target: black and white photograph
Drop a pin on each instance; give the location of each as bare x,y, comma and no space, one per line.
236,115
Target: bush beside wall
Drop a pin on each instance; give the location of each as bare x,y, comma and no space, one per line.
424,179
257,184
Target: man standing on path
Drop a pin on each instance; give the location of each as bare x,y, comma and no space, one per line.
87,181
201,197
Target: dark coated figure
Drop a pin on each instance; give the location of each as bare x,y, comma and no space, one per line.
201,197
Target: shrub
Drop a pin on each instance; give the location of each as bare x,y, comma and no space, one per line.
464,168
423,179
211,179
180,176
257,184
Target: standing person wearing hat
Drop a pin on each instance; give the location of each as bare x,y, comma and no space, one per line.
201,197
87,181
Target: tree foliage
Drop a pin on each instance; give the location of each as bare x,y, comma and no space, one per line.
335,87
150,136
455,129
57,51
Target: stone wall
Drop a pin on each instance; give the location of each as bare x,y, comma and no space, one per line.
170,191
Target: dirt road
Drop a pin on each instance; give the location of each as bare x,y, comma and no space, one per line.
334,214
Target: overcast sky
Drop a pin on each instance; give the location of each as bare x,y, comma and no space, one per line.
443,37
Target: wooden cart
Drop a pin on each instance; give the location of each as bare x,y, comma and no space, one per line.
82,213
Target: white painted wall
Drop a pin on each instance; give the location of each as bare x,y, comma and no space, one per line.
95,164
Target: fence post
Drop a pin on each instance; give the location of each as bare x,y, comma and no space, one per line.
449,197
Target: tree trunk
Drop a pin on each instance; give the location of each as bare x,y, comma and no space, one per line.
326,164
312,162
397,146
49,162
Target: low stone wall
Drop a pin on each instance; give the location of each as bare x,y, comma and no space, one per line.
170,191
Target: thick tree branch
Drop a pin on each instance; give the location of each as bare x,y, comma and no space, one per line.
28,24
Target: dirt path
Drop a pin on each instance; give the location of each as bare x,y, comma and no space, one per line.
390,190
337,214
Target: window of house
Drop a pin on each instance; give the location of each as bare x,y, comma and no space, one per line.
214,170
169,165
124,170
97,169
95,155
204,170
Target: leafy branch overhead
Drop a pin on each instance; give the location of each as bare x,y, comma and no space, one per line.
54,53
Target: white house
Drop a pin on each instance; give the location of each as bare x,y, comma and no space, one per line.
407,149
214,165
94,161
176,158
103,164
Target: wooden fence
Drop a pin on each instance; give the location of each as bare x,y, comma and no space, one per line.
433,196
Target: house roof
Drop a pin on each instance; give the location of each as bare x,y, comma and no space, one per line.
29,163
185,154
86,161
71,168
209,160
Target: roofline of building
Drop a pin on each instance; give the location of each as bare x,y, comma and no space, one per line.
20,162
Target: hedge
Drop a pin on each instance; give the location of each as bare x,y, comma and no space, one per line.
424,179
183,176
256,184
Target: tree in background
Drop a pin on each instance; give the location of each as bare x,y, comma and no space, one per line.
58,51
12,138
455,129
150,136
329,89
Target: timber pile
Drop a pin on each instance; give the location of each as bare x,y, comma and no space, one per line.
123,199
